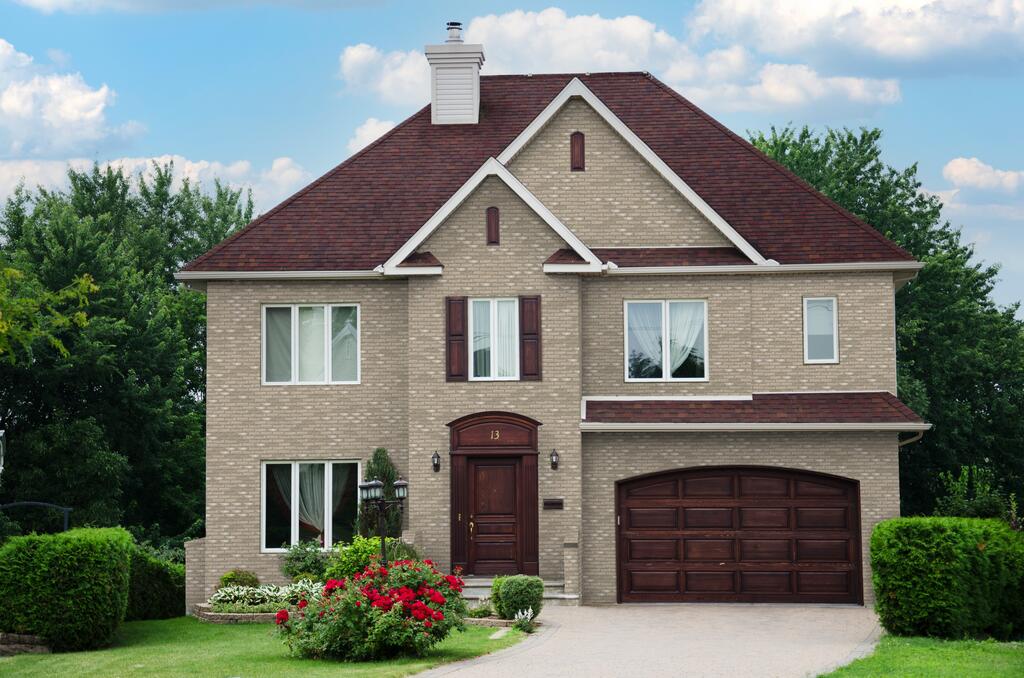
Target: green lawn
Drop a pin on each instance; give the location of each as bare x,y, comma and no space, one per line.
925,657
186,647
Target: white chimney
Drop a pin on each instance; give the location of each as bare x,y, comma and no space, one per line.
455,79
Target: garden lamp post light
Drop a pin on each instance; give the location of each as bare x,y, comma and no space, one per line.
373,492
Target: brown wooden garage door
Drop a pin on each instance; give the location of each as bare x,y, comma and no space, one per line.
739,534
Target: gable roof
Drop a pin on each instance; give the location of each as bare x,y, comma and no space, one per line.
359,214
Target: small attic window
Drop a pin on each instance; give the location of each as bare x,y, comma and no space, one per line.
576,156
493,231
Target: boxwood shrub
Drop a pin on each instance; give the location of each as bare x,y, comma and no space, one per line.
949,577
70,588
519,592
156,589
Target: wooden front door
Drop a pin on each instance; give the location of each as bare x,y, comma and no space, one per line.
494,494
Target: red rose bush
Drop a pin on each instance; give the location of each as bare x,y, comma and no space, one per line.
405,608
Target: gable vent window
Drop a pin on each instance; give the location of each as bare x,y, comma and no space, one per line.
493,230
577,156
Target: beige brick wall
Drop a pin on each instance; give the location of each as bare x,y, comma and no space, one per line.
870,458
619,201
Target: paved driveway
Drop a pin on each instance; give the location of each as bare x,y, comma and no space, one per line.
683,640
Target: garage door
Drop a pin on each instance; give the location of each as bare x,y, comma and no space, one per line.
731,534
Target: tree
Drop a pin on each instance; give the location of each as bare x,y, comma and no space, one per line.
28,313
381,468
960,356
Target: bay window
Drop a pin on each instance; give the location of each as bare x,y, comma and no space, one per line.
494,328
666,340
308,500
311,344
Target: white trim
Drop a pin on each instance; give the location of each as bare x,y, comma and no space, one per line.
680,398
275,275
737,269
834,360
750,426
665,344
491,167
328,494
493,320
576,88
328,380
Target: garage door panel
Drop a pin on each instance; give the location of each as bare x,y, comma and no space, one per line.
822,550
765,549
823,582
707,517
653,549
647,581
709,486
653,518
710,582
709,549
822,518
766,582
668,489
808,488
764,517
763,486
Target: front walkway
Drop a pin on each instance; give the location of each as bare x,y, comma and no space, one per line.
683,640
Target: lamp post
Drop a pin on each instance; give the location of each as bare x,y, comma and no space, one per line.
373,492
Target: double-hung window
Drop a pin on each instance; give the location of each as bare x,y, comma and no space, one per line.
666,340
311,344
494,328
308,500
821,330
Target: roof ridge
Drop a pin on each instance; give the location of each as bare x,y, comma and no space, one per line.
786,172
302,191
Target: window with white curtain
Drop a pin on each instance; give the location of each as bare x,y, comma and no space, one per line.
311,344
309,501
494,327
666,340
821,330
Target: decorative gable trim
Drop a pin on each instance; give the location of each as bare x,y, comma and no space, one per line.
576,88
490,168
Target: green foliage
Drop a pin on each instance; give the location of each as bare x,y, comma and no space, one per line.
897,657
306,576
496,583
961,357
480,611
517,593
156,588
114,427
238,577
949,577
8,527
974,493
29,313
347,559
71,587
381,468
305,557
524,620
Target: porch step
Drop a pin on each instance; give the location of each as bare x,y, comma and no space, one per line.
554,591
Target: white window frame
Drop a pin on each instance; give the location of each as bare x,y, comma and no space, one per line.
835,332
295,342
667,375
494,332
328,489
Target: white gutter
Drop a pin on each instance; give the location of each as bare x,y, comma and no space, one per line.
738,269
748,426
275,275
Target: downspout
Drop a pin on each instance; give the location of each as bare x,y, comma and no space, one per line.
912,439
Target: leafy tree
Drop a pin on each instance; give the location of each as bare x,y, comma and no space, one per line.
28,313
114,425
960,356
381,468
974,493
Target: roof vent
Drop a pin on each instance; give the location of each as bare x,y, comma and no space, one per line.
455,79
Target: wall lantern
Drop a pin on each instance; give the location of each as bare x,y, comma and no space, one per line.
554,459
372,492
435,459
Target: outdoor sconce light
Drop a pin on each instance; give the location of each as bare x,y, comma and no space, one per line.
435,459
372,492
554,459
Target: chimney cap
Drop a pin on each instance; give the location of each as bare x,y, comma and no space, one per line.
454,29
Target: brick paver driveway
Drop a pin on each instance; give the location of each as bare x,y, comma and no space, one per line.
683,640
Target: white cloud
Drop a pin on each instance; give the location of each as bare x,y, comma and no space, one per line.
396,77
87,6
973,173
898,31
368,132
44,113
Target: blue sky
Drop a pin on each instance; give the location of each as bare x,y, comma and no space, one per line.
271,94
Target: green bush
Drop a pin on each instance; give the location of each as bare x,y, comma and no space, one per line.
949,577
496,596
518,593
306,576
480,611
156,589
70,588
305,557
347,559
239,578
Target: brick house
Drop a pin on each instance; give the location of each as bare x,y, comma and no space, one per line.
585,268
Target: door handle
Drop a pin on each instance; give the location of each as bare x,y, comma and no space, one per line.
471,525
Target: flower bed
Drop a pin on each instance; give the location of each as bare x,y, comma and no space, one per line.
381,612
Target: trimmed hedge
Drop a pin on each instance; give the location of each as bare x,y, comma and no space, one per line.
156,589
518,592
70,588
949,577
239,578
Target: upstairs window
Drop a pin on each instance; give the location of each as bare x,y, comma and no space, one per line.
821,330
666,341
493,226
311,344
577,159
494,327
309,501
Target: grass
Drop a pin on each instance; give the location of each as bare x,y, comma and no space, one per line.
906,657
187,647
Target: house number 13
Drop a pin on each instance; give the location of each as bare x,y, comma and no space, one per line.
495,434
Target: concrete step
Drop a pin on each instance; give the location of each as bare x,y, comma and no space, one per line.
554,591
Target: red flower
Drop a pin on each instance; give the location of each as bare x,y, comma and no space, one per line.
428,562
428,623
438,615
282,616
358,604
436,597
303,603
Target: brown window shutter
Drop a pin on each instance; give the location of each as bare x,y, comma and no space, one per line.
456,355
493,232
529,339
577,158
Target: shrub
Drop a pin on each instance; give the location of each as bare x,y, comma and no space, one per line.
949,577
70,588
480,611
517,593
380,612
156,588
249,595
305,557
496,595
347,559
381,468
239,578
305,576
974,493
524,620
